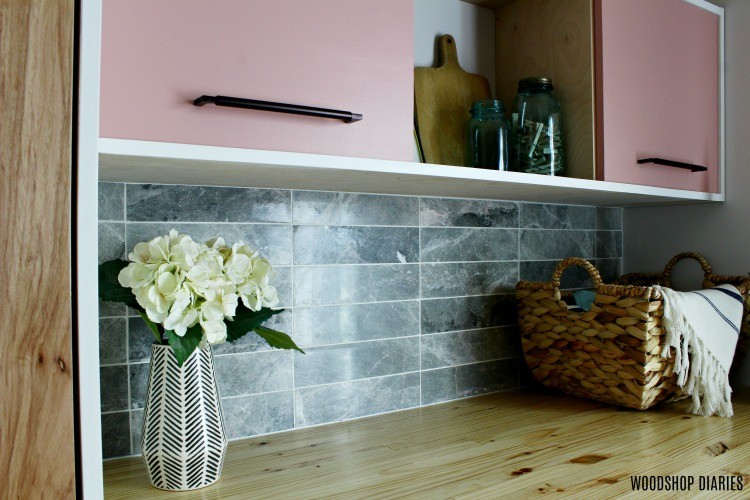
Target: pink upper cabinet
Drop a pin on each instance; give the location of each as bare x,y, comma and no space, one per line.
352,55
657,92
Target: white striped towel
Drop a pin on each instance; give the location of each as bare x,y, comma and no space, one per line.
705,323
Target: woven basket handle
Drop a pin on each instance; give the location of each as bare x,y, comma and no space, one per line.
667,273
576,261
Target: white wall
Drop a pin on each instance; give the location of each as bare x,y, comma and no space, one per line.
721,232
472,27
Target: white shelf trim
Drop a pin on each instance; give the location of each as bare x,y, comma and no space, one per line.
122,160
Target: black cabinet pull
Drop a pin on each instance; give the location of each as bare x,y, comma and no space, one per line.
672,163
279,107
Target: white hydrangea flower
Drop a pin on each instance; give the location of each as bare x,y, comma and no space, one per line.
181,283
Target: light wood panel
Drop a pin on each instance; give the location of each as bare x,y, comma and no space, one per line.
507,445
37,452
552,39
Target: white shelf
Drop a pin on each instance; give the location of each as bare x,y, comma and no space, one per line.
167,163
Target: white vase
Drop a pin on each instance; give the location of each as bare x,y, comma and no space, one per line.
184,442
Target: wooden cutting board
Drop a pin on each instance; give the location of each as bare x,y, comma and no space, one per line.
442,99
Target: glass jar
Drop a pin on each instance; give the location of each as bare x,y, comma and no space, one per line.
536,129
487,136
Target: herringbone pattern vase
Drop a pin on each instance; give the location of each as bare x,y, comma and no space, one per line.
184,441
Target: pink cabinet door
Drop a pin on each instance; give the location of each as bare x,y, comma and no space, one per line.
351,55
657,92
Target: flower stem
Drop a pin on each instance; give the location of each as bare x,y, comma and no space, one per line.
152,326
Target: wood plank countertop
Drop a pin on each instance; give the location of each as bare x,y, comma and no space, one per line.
507,445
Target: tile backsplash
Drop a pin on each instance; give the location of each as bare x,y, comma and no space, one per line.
399,301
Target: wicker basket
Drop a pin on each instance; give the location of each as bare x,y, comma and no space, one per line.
610,353
709,280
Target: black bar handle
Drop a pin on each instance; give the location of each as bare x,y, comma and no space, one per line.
672,163
279,107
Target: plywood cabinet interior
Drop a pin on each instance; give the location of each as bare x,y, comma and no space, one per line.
552,39
635,79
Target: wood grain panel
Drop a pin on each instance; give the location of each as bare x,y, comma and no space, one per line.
552,38
37,451
507,445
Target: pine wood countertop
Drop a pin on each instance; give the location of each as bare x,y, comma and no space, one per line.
506,445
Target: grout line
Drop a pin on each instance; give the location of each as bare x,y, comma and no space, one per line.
385,226
127,356
292,301
111,412
509,292
379,377
419,305
518,242
365,341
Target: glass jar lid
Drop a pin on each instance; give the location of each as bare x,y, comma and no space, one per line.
535,84
487,105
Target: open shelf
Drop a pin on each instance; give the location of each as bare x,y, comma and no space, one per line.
167,163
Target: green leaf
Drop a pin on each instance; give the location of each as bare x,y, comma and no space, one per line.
151,326
110,289
246,320
183,347
277,339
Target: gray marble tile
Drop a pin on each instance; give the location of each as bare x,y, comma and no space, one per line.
572,277
140,339
111,241
473,278
111,309
548,216
112,340
467,213
329,285
468,244
283,283
254,372
342,362
113,381
609,269
468,313
111,201
159,202
609,218
115,434
471,346
273,241
355,245
539,244
340,324
246,416
341,209
252,342
136,430
347,400
138,374
445,384
608,244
